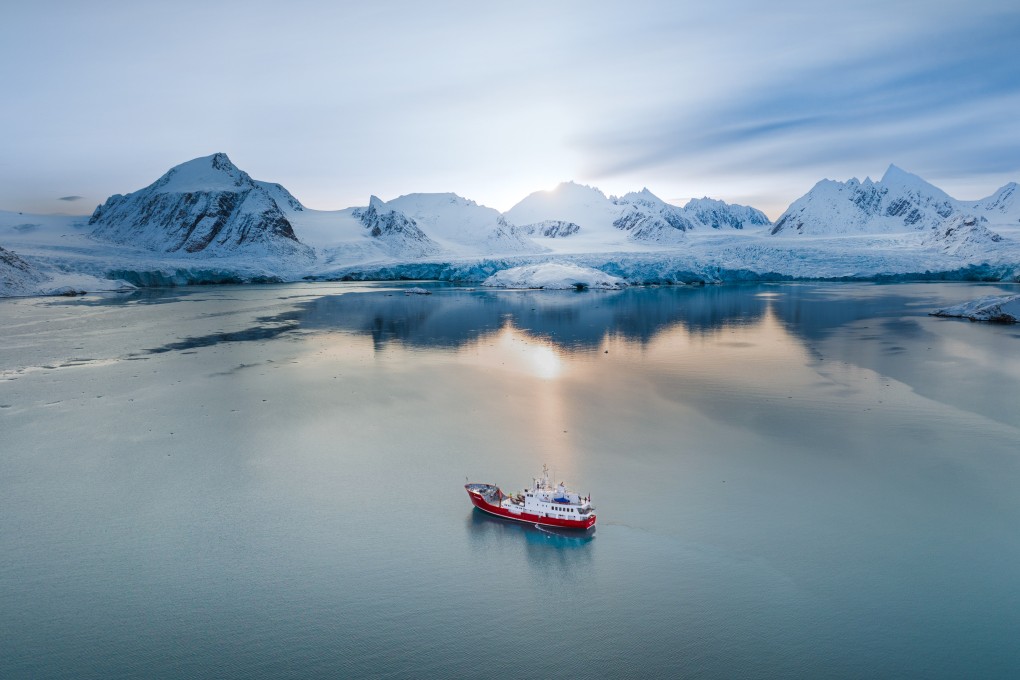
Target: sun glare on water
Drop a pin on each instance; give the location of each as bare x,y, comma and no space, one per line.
515,350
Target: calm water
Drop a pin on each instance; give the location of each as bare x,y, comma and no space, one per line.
267,482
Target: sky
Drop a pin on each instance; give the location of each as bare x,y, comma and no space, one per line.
739,100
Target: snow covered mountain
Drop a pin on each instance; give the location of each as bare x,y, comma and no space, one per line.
650,219
962,235
396,232
721,215
570,203
409,228
207,206
1000,209
638,218
899,201
461,226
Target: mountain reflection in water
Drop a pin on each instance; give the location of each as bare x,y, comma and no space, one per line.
452,318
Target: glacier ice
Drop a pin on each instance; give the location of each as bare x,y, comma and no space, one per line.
554,276
997,309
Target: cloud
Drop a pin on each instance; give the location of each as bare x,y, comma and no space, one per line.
942,99
70,198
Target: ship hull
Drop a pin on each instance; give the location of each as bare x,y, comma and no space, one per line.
530,518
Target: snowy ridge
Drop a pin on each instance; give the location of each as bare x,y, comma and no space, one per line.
640,218
284,199
650,219
900,201
462,226
1001,208
962,235
720,215
398,234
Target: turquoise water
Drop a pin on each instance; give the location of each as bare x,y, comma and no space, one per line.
814,480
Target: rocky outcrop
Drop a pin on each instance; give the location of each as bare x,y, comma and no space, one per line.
549,229
398,234
961,235
18,277
721,215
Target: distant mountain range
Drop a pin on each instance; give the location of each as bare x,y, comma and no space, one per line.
207,220
586,213
898,201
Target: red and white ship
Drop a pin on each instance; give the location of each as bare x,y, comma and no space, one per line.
541,503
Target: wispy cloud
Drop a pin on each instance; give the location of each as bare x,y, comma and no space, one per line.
945,98
733,98
70,198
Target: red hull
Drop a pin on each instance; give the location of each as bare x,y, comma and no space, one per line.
529,518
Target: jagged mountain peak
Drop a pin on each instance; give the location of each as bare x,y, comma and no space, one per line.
571,185
567,191
898,178
719,214
705,202
643,196
207,173
896,174
899,200
894,171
